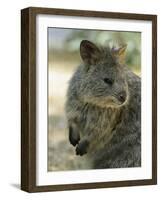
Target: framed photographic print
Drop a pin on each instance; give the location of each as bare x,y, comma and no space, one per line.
88,99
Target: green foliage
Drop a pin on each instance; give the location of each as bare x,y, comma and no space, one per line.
111,38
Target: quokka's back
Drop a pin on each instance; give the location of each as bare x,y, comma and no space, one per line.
103,108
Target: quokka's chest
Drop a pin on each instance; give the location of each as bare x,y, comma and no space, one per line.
99,119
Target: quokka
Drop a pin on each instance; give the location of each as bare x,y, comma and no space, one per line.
103,108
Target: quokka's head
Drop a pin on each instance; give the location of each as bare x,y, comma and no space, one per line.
104,82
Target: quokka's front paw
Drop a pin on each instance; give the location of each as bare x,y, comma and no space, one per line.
73,136
82,147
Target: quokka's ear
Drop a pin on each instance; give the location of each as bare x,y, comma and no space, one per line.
119,53
89,52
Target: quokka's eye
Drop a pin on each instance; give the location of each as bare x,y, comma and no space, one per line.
108,81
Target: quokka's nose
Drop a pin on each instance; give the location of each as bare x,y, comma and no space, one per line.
122,96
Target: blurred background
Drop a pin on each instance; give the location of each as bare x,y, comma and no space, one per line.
63,58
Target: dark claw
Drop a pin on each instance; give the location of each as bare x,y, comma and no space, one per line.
73,137
82,148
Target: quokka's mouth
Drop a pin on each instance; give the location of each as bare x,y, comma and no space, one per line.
122,103
116,102
113,102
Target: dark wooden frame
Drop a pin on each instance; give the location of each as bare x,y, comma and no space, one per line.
28,98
